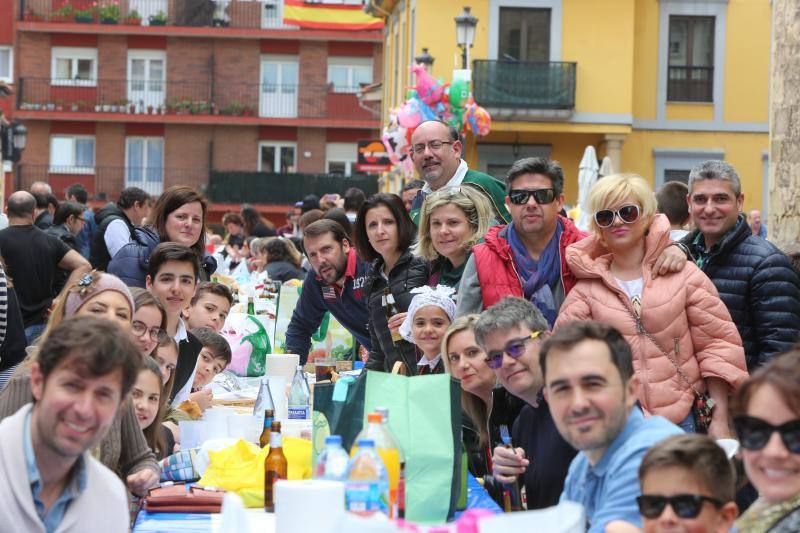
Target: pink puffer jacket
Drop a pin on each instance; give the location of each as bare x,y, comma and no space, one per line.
682,310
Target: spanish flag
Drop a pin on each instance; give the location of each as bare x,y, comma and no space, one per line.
328,16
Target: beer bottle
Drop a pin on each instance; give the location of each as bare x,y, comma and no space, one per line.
391,310
269,416
251,307
275,466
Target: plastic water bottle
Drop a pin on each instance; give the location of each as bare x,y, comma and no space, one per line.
367,487
264,399
299,396
333,461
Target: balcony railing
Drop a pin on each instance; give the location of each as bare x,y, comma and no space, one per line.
187,13
524,84
272,188
690,84
142,97
105,182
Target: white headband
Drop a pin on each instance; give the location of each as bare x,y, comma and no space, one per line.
441,296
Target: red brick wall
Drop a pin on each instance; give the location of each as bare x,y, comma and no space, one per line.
32,55
311,140
189,60
377,63
109,156
112,69
7,21
236,148
237,71
186,147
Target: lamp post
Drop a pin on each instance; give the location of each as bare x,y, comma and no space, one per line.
425,59
465,34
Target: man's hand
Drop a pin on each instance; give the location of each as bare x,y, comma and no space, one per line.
508,464
203,398
140,482
672,259
395,321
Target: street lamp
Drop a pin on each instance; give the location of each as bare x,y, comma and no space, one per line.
14,140
425,59
465,34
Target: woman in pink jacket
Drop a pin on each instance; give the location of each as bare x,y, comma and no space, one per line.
683,340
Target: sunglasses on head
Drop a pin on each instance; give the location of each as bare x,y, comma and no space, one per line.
684,505
754,433
542,196
514,348
628,213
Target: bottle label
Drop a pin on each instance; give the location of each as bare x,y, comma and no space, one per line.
275,440
298,412
366,498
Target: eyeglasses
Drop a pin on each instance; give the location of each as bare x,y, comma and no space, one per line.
514,348
627,213
754,433
156,334
435,146
542,196
684,505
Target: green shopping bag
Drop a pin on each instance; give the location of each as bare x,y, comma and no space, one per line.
424,415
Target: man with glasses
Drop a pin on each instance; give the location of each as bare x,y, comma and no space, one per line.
510,332
68,222
754,278
436,150
591,390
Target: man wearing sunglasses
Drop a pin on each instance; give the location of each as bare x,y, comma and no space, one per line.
754,278
511,332
688,485
591,389
436,153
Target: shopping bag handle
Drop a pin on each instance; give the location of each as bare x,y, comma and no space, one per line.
399,368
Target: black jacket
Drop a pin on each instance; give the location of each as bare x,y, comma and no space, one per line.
62,232
409,273
188,350
760,289
12,348
99,256
283,271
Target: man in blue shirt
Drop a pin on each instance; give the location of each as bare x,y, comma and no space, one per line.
591,389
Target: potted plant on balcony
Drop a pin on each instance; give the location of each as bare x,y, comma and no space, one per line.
159,19
59,105
133,18
109,14
219,22
74,107
65,13
31,15
85,16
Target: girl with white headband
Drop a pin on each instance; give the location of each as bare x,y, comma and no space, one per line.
429,315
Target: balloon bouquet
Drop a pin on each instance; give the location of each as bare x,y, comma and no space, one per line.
431,99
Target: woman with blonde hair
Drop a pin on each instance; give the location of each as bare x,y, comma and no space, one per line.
688,355
452,221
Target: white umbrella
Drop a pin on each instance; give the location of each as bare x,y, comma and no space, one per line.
605,167
587,177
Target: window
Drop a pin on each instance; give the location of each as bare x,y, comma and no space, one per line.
277,158
71,154
524,34
347,74
144,163
676,175
74,66
341,158
691,59
6,64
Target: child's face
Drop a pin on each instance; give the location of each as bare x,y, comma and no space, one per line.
174,285
210,311
208,366
146,394
167,358
674,480
429,326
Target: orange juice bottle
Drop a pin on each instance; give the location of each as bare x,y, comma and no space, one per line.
388,451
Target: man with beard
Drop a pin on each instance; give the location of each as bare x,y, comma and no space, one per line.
49,479
591,389
335,284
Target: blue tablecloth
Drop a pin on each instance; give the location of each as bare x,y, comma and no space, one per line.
477,498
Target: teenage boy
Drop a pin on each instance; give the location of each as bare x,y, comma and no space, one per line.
214,357
510,332
688,484
172,274
591,389
49,480
209,307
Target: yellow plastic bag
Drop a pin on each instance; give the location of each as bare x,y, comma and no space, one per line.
240,468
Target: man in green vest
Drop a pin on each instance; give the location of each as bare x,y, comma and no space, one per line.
436,152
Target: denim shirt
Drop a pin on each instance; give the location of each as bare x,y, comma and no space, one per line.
608,490
75,485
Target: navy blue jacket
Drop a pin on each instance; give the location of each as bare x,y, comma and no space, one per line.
760,289
130,263
317,297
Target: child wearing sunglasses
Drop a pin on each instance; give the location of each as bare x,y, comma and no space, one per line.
685,346
688,485
430,313
767,421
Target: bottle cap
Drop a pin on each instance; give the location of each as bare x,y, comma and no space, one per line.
366,443
333,439
374,417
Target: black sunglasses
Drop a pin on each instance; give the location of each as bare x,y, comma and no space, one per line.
628,213
514,348
754,433
684,505
542,196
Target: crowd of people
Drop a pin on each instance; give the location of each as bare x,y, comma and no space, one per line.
613,358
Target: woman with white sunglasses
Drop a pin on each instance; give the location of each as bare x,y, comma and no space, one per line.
687,352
